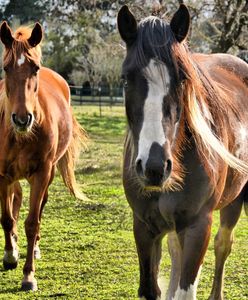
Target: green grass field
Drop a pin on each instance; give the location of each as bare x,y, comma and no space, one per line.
88,251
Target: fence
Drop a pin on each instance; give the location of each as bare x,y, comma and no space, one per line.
100,95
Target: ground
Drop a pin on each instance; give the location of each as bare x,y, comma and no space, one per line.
88,250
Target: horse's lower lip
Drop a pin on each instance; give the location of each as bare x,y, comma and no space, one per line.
22,129
153,188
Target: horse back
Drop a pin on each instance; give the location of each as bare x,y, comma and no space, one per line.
54,85
230,72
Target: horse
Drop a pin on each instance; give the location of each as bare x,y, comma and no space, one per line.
37,133
185,152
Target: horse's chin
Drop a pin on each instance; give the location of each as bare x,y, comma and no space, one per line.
22,130
153,188
170,184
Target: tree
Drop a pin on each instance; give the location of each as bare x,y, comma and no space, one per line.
25,10
231,28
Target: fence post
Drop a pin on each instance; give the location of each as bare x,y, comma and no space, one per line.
100,101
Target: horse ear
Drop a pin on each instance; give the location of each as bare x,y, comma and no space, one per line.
36,35
6,35
127,25
180,23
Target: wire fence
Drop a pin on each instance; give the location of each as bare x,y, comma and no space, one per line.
97,95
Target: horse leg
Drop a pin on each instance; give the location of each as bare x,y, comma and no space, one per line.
194,246
175,251
223,243
17,202
39,183
37,252
10,259
149,252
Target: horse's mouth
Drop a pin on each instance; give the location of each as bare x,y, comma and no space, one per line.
22,129
153,188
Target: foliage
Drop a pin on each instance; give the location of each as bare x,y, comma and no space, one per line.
82,38
88,249
25,11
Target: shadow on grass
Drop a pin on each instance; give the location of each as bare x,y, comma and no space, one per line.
92,206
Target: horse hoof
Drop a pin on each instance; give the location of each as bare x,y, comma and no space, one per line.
9,266
29,286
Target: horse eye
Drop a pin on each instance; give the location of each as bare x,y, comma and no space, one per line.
182,83
36,69
124,81
5,68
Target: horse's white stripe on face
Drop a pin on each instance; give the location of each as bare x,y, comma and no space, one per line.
190,293
152,130
21,60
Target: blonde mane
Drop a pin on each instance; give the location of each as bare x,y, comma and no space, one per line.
207,105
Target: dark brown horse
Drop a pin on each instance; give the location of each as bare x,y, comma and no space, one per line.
186,151
37,133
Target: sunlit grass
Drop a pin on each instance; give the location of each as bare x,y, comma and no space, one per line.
88,250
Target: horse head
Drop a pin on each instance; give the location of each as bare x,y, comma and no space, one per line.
21,64
153,90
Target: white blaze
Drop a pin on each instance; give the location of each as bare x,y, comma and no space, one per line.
152,130
21,60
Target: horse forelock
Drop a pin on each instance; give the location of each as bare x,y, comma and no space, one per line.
154,40
21,46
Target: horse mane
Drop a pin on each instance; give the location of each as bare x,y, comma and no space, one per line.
206,103
20,45
207,106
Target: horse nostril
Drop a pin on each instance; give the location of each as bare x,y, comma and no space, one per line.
13,117
30,117
139,168
169,166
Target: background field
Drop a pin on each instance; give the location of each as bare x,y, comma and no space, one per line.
88,250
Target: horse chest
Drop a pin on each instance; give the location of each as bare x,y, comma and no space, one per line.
173,209
19,162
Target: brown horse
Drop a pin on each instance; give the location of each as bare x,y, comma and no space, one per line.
186,151
37,133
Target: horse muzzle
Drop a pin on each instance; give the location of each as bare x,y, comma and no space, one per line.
156,169
22,124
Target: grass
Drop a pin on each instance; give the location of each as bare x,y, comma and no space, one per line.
88,250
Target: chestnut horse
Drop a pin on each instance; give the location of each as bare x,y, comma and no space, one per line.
186,151
37,133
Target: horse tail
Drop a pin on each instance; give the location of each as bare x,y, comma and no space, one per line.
67,162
